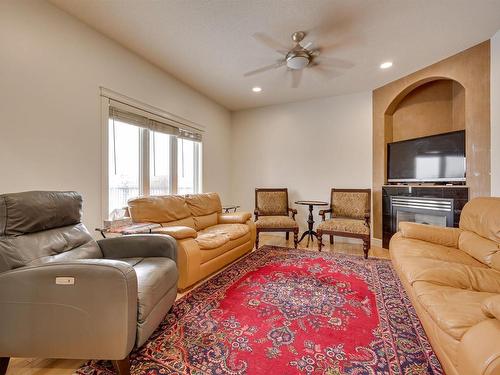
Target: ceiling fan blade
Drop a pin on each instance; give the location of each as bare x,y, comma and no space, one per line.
308,45
265,68
327,74
268,41
334,62
296,77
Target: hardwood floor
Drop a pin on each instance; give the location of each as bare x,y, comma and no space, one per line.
38,366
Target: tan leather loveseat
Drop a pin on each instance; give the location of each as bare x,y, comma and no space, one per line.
452,276
207,239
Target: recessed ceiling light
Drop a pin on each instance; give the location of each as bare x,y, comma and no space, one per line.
386,65
257,89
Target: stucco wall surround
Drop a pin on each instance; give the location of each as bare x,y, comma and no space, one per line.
471,69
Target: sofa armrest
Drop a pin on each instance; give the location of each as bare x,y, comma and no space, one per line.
491,307
139,245
479,350
178,232
234,218
91,315
438,235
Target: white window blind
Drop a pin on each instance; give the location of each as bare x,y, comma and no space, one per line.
138,117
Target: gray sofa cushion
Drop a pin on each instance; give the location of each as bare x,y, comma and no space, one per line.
155,277
35,211
54,245
37,227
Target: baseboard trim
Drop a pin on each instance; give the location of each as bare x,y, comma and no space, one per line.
376,242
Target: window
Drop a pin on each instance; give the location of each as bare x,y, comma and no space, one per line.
124,163
147,157
188,166
160,163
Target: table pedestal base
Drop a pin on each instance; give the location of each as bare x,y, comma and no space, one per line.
310,236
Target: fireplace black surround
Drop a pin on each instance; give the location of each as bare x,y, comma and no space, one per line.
435,205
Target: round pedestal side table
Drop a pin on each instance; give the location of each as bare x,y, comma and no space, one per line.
310,233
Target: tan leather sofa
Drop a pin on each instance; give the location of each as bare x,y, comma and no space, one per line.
207,239
452,276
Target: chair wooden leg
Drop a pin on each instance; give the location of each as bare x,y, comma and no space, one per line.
257,241
4,363
366,247
295,238
287,236
122,366
320,240
331,239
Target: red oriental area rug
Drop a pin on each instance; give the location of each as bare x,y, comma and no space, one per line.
284,311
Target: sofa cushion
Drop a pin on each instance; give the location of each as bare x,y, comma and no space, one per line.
478,247
202,222
276,222
35,211
155,277
453,310
207,241
345,225
203,204
406,249
480,215
233,231
53,245
452,274
209,254
158,209
438,235
186,222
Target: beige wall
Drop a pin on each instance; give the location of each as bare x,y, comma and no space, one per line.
495,115
309,147
51,67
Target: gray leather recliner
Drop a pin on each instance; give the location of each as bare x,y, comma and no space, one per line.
64,295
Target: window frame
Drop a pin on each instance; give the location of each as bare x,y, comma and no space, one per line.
139,108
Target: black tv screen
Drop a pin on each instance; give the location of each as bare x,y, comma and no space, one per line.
438,158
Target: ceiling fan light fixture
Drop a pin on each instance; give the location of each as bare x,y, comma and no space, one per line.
297,61
256,89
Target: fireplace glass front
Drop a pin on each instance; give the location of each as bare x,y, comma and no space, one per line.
431,211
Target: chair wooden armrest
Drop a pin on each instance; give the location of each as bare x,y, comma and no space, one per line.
324,212
256,213
293,211
367,218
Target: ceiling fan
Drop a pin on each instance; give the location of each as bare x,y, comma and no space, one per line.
297,58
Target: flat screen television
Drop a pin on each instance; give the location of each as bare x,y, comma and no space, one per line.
437,158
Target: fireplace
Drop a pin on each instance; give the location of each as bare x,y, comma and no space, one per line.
436,205
432,211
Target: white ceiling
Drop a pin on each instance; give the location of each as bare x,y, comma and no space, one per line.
209,44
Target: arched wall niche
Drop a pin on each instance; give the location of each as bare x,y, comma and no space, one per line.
434,105
467,75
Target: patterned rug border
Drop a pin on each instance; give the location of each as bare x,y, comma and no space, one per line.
212,289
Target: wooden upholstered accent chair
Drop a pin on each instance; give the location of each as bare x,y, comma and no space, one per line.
349,216
272,213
